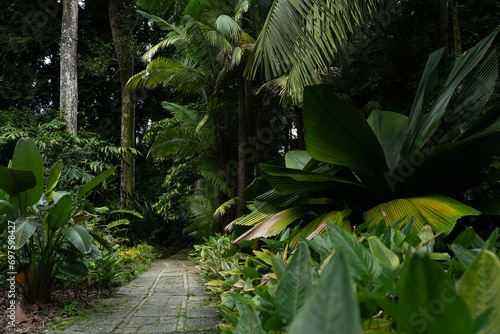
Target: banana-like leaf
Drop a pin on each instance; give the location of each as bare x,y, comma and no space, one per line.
360,260
55,173
79,237
25,227
383,254
27,156
389,128
7,211
333,306
295,285
480,289
424,287
337,133
14,181
60,213
94,182
441,212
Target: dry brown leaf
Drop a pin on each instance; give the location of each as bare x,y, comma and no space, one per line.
20,316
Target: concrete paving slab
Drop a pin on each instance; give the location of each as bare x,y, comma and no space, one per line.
170,297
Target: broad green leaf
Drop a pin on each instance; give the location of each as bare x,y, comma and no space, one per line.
249,321
389,128
429,302
295,285
383,254
466,238
8,211
27,156
333,306
360,261
441,212
466,256
337,133
14,181
480,289
464,65
55,173
25,227
94,182
74,267
60,213
297,159
418,107
79,237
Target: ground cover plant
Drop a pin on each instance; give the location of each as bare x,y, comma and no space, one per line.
376,279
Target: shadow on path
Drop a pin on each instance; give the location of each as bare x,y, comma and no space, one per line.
167,298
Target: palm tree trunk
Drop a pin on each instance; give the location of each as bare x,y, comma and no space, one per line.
68,74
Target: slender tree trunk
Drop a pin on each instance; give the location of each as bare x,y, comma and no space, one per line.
242,135
444,30
68,74
457,38
122,38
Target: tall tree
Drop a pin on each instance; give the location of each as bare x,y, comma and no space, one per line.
124,22
68,75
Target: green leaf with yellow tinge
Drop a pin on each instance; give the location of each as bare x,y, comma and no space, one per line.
440,212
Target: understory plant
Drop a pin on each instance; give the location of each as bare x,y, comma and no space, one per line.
377,278
50,233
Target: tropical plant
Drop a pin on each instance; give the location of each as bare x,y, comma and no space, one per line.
375,279
390,166
49,234
299,41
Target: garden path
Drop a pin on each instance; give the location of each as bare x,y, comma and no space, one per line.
168,298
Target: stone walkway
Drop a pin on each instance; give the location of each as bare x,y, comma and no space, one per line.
167,298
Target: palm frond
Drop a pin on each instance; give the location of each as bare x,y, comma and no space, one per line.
170,72
177,141
187,117
158,7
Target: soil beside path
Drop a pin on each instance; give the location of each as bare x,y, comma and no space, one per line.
168,298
